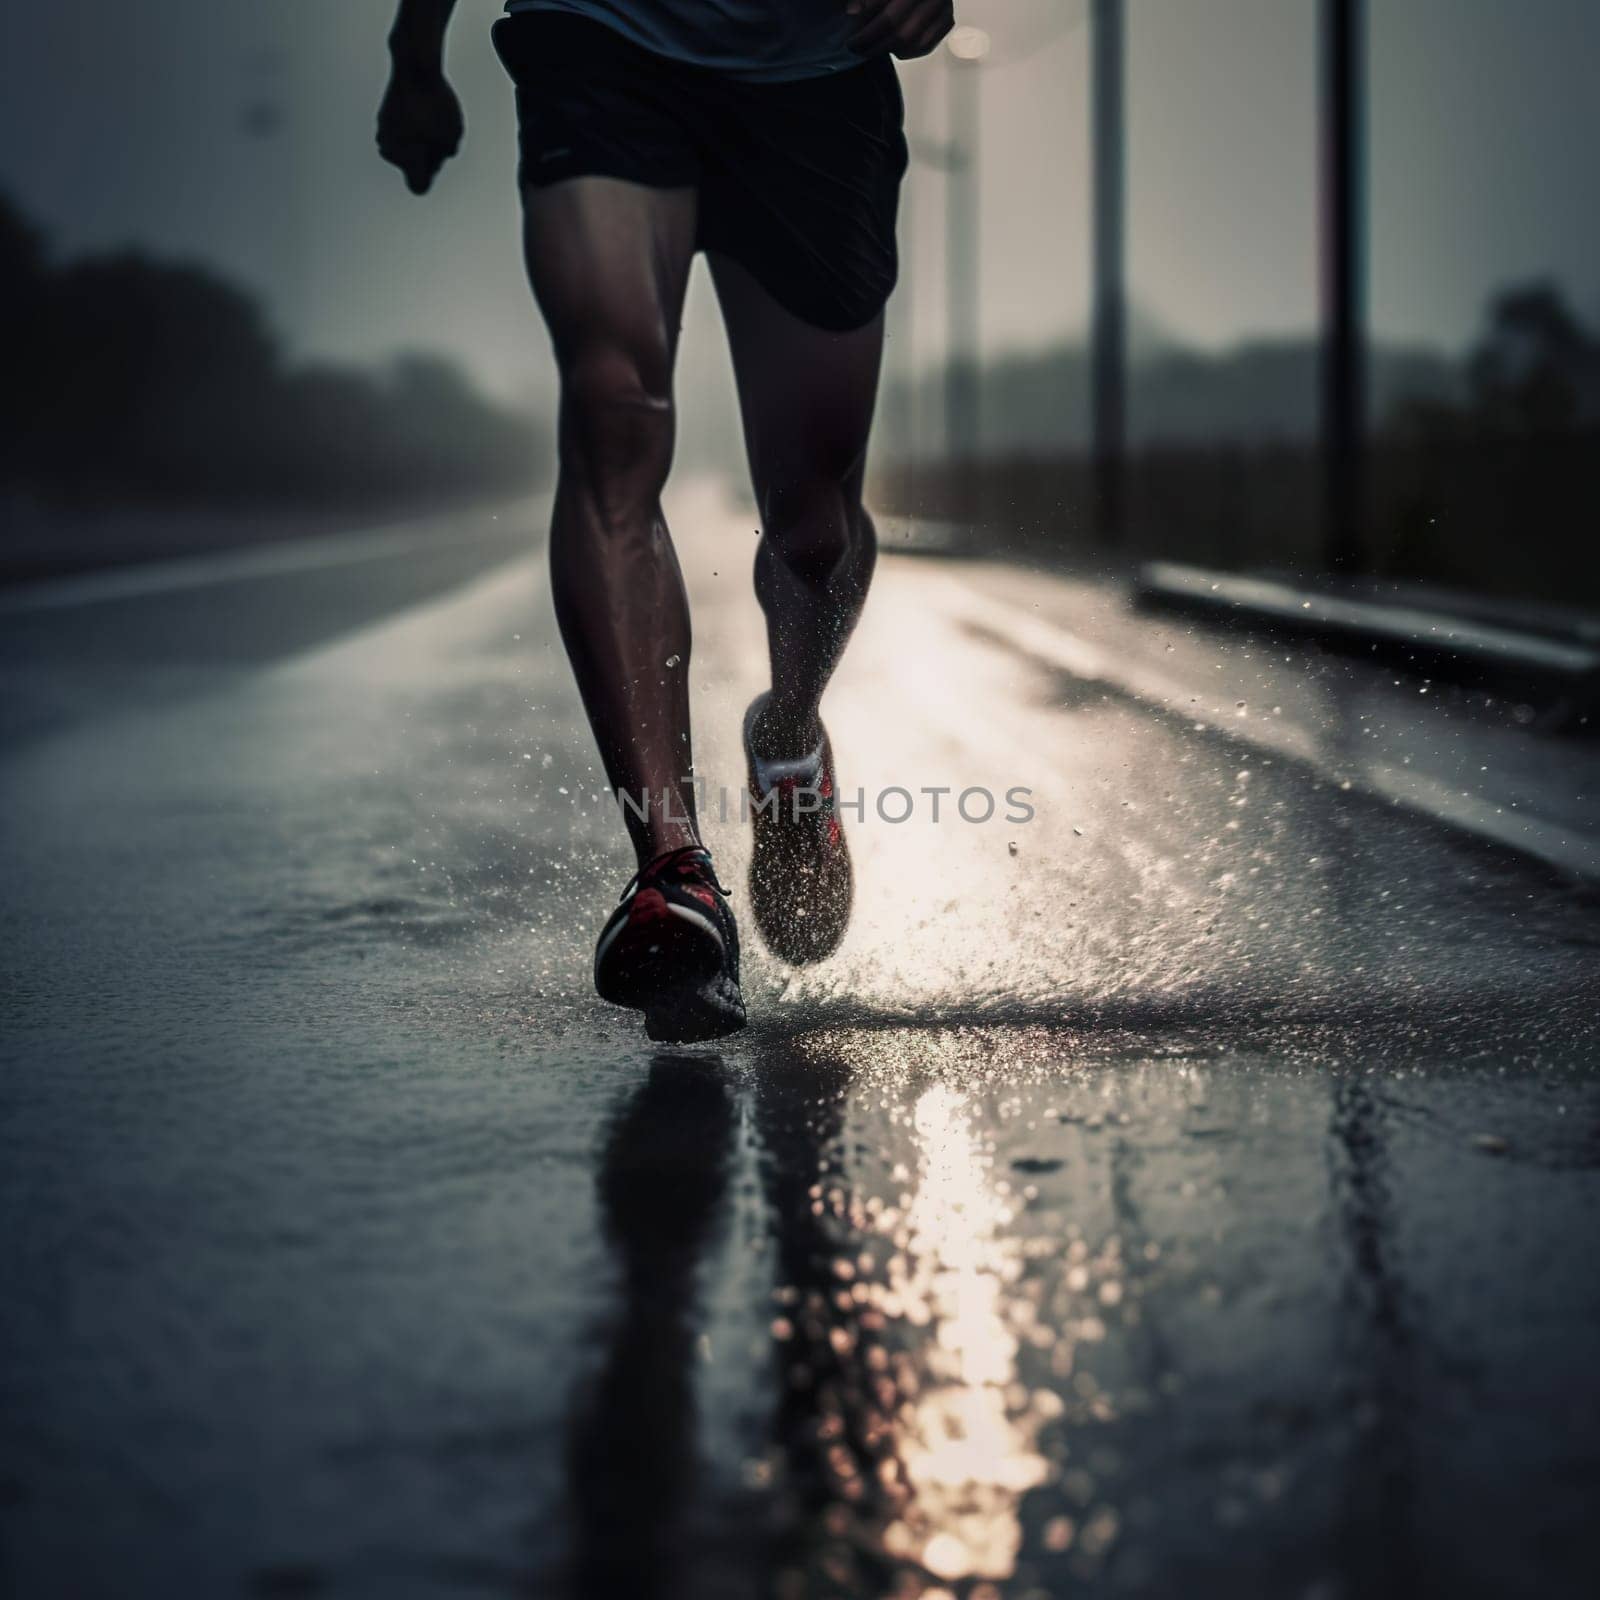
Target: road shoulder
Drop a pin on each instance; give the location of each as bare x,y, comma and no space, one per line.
1469,761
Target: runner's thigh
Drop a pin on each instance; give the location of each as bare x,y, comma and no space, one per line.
609,263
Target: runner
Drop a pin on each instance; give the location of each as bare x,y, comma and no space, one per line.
767,133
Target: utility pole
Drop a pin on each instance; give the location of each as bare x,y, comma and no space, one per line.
1344,375
964,53
1109,314
904,429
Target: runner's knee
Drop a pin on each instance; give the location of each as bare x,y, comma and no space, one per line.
616,429
814,521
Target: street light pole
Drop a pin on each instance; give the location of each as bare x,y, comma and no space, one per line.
1109,316
1343,50
966,49
905,431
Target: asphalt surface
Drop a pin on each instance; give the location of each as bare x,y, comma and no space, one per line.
1194,1188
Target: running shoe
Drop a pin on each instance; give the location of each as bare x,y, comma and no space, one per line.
671,950
801,885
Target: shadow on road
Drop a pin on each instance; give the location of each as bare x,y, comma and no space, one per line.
631,1444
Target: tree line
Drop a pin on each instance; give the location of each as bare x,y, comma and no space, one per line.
137,380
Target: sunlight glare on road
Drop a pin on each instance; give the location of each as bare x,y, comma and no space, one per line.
967,1448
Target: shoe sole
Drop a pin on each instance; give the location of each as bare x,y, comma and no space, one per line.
695,1012
789,934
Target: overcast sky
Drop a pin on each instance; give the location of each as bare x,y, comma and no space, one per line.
131,122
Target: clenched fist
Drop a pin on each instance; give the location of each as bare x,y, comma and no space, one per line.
905,28
419,125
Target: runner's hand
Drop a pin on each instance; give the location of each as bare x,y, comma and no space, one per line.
905,28
419,126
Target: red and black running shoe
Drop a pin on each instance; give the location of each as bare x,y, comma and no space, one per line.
801,883
671,950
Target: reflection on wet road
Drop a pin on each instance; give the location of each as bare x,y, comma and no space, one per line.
1035,1324
1190,1190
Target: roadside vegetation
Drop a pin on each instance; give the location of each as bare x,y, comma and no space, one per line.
1485,470
136,382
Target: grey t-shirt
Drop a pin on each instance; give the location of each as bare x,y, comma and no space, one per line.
761,40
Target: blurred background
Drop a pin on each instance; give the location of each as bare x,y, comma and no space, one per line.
1180,1194
1179,281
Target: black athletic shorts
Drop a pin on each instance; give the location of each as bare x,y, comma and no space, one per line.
799,181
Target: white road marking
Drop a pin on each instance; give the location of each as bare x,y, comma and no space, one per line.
1549,841
231,566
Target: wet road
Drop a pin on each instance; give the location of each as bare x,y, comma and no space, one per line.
1190,1189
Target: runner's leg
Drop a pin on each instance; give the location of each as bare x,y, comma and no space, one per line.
609,263
806,396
